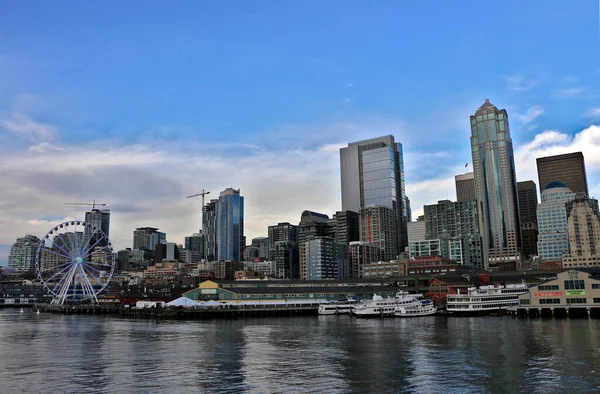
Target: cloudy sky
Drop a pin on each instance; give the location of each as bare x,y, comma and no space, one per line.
140,103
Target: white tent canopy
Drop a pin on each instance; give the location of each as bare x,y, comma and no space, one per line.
212,303
183,301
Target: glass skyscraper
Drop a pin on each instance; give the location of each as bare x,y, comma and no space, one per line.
372,174
495,184
230,225
553,237
100,219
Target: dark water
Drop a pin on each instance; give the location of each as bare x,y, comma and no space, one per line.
333,354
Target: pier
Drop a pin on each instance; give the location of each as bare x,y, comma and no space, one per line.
229,312
560,311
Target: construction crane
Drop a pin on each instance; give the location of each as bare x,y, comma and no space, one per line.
204,193
93,204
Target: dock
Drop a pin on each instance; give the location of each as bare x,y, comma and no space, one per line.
229,312
564,311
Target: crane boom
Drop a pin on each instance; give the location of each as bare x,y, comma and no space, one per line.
203,193
93,204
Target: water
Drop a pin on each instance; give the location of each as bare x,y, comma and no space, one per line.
327,354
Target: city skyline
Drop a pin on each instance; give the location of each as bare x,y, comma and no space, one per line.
107,122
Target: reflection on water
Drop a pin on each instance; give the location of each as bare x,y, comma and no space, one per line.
327,354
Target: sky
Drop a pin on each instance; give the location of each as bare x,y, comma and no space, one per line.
138,104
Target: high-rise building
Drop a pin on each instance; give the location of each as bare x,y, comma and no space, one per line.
148,238
378,227
312,225
284,250
551,216
230,225
447,221
496,185
416,231
325,259
584,233
527,198
372,173
100,219
195,244
23,253
568,169
281,232
347,227
465,187
209,229
359,254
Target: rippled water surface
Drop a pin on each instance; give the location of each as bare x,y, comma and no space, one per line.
332,354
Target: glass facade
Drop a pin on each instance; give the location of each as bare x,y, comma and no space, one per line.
230,225
553,237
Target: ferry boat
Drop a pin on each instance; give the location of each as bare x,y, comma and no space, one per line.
381,307
345,307
485,299
417,307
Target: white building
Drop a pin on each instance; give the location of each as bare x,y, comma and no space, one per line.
553,238
23,253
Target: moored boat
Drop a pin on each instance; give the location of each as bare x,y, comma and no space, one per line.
485,299
418,307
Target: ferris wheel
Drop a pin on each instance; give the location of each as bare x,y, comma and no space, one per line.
75,262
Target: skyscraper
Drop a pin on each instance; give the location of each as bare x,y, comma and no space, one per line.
23,253
584,233
284,250
195,244
465,187
378,227
372,174
527,197
312,225
568,169
148,238
209,229
230,225
551,216
496,185
100,219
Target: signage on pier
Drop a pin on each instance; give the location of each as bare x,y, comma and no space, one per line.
549,293
578,292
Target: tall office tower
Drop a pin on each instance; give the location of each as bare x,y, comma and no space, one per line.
408,210
346,226
568,169
325,259
359,254
312,225
148,238
100,219
209,229
551,216
465,187
284,231
230,225
195,244
583,219
416,231
378,227
496,185
23,253
372,173
449,221
527,198
284,250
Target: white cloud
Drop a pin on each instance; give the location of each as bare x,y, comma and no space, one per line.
530,115
593,113
519,83
27,128
44,147
571,92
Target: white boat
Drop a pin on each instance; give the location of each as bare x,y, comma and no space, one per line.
380,307
417,307
485,299
338,307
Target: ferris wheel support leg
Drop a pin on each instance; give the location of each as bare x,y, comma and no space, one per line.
62,295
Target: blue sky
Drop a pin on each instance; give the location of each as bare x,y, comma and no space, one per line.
141,102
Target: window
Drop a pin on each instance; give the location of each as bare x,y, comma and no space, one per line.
576,300
595,285
550,301
548,287
524,302
574,284
596,300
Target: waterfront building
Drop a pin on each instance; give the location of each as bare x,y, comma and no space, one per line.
195,245
583,220
325,259
99,219
448,222
209,229
378,227
312,224
230,225
573,289
527,199
465,187
22,254
148,238
426,265
372,173
359,254
553,238
568,169
496,185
